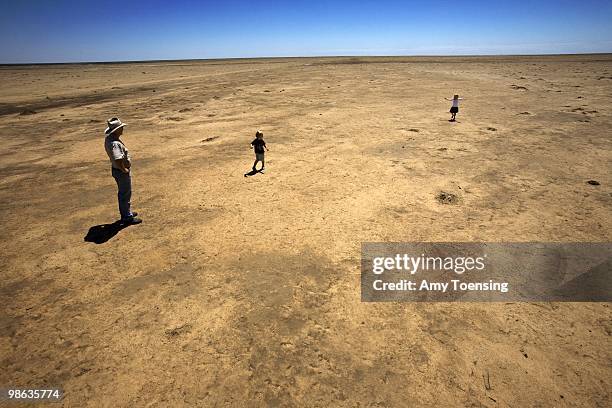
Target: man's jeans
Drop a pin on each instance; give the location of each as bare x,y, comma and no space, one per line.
124,184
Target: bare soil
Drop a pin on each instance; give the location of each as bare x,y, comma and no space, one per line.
245,291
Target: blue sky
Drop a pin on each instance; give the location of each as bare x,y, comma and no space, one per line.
66,31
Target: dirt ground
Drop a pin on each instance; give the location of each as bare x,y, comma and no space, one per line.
245,291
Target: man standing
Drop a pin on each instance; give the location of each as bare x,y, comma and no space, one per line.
120,161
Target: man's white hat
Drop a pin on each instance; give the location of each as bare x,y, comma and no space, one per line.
113,124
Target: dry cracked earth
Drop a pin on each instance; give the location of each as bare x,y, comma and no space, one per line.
242,291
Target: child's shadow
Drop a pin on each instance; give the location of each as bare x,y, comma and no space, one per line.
252,173
99,234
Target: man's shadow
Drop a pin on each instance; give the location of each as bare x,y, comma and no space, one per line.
99,234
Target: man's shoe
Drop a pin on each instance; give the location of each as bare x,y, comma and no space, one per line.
263,170
131,221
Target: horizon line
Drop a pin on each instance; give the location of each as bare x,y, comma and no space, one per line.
145,61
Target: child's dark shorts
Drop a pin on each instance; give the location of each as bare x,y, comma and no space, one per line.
259,156
454,109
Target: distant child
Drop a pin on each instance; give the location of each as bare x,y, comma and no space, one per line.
455,108
258,145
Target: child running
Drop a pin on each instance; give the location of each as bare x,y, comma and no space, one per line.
455,108
258,145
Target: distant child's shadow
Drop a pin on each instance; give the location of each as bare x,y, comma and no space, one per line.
252,173
99,234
